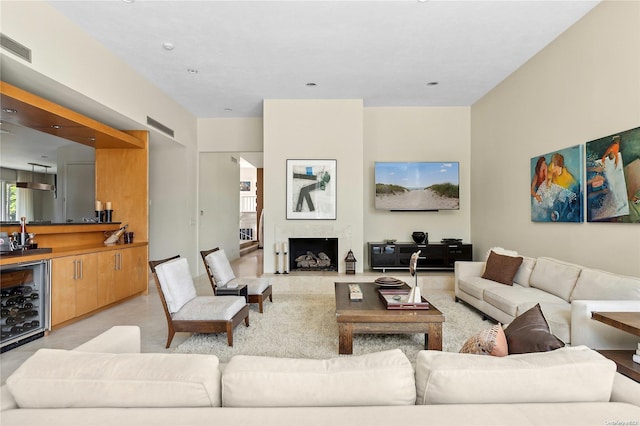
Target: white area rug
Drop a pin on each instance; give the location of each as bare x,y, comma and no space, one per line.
304,326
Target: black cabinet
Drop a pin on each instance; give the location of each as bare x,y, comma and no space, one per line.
383,256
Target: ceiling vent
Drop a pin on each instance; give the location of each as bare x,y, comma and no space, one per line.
158,125
14,47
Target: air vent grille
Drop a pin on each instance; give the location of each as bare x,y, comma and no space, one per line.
156,124
14,47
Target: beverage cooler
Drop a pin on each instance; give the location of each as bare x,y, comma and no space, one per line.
25,302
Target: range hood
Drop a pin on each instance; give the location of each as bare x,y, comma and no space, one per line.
36,185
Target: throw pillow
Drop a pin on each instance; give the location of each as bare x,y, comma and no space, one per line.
502,251
491,341
530,332
501,268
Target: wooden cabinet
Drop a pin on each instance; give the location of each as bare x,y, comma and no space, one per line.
74,287
87,283
137,267
122,273
383,256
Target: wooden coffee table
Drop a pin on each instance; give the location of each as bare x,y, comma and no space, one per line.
370,316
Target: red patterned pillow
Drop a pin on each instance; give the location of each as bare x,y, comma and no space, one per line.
490,341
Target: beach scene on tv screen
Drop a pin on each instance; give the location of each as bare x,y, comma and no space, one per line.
417,186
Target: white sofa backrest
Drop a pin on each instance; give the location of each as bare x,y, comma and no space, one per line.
555,277
594,284
380,378
570,374
55,378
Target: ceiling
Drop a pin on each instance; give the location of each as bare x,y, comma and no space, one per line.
388,53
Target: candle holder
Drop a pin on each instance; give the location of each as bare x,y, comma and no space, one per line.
99,215
285,265
108,216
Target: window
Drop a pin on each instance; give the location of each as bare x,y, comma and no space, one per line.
8,194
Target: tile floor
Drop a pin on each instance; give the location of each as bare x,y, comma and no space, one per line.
146,311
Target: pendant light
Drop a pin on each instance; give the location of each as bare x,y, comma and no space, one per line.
36,185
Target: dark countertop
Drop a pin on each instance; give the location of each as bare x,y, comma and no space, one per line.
46,223
29,252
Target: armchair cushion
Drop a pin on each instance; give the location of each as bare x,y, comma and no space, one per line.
176,283
210,308
254,285
220,267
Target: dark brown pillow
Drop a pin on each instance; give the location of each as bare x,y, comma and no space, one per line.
530,332
501,268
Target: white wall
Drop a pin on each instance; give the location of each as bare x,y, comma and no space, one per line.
417,134
583,86
314,129
219,201
102,88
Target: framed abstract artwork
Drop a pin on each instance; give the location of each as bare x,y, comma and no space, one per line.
311,189
613,178
245,185
556,186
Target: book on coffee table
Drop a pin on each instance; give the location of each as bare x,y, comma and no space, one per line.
399,299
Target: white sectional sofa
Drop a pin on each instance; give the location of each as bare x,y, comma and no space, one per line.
567,294
108,382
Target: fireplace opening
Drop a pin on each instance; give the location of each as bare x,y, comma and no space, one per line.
313,254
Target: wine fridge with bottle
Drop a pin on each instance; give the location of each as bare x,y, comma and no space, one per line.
25,299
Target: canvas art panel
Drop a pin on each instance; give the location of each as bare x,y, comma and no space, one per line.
556,186
245,185
613,178
311,189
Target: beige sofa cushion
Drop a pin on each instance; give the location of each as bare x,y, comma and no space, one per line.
382,378
555,277
570,374
524,271
600,285
53,378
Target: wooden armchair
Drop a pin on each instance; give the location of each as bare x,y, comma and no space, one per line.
188,312
220,274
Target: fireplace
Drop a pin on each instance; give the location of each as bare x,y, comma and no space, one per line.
313,254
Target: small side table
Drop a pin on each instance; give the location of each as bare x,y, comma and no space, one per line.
240,290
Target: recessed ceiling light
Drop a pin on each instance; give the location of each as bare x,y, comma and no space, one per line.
56,126
168,46
9,110
128,1
311,84
432,83
192,71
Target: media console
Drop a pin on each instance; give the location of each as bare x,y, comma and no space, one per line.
383,256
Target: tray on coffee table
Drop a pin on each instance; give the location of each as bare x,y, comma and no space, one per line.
397,299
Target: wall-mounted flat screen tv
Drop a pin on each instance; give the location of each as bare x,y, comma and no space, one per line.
427,185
